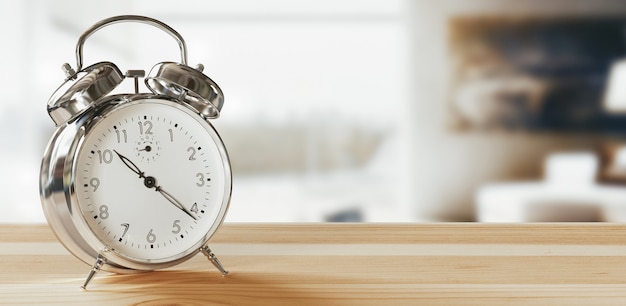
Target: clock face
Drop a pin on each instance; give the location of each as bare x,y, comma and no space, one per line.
152,180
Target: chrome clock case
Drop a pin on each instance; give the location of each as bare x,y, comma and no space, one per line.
79,104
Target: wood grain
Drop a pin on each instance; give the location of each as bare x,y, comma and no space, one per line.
343,264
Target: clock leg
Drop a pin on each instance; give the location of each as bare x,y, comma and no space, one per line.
100,261
209,254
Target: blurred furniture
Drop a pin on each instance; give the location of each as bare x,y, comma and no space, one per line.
343,264
613,154
568,193
536,72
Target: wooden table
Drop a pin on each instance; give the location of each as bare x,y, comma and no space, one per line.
343,264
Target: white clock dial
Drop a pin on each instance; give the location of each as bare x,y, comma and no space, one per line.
151,178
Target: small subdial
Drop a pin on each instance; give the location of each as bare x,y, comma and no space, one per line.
147,148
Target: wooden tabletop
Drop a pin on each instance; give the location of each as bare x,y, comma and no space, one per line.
342,264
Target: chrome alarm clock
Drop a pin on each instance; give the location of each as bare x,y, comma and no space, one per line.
137,181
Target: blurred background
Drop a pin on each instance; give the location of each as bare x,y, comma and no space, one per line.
361,111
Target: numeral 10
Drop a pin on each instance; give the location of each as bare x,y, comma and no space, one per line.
105,156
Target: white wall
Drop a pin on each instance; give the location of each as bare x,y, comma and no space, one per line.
332,73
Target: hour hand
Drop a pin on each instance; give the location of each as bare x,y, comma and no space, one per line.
129,164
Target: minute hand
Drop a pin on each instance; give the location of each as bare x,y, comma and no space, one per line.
173,200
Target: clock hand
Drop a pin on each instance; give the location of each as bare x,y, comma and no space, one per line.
173,200
147,149
150,182
130,164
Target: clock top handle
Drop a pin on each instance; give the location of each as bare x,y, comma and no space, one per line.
129,18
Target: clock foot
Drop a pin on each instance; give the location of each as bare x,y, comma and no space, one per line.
100,261
209,254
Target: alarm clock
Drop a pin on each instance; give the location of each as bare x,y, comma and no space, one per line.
136,181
